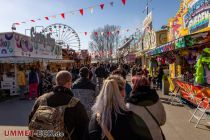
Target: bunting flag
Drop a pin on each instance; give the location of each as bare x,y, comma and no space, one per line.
63,15
108,34
46,18
81,11
96,33
17,23
91,10
124,2
102,6
85,33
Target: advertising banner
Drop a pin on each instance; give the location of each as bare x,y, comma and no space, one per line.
149,40
192,17
147,21
197,17
161,37
15,44
6,45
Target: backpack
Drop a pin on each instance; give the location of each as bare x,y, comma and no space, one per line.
48,122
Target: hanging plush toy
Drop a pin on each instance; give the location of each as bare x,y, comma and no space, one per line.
199,79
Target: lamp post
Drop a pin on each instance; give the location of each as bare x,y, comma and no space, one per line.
13,27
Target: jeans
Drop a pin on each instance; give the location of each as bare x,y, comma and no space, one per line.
21,91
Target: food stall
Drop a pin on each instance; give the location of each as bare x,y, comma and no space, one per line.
17,49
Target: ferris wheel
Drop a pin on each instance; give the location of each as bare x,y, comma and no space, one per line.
64,36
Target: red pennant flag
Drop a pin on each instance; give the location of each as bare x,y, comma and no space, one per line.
81,11
17,23
32,20
102,6
123,1
96,33
63,15
108,34
85,33
46,18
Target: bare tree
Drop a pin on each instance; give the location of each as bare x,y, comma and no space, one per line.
104,40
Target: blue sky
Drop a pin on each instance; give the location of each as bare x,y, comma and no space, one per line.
128,17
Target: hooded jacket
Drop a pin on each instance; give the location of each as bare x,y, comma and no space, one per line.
146,98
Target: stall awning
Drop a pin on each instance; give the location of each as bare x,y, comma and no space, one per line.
22,60
18,60
183,42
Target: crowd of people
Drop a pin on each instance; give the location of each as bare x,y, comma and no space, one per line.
38,82
99,104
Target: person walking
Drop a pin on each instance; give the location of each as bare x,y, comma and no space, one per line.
85,90
100,74
110,119
68,115
128,87
40,83
93,69
145,102
159,78
33,84
21,83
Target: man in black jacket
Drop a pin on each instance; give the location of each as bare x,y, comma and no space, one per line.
74,118
101,73
85,90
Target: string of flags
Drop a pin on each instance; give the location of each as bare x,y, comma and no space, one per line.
54,29
64,14
105,33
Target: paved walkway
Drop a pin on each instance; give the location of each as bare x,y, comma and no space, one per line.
178,127
14,116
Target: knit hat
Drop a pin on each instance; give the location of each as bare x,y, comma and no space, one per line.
84,72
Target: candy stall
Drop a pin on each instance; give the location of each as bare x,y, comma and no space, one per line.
19,50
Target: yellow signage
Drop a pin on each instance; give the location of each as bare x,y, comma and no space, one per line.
192,17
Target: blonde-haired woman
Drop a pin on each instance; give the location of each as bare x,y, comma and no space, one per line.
110,119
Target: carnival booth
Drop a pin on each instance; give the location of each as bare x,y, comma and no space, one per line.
20,50
188,60
187,52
